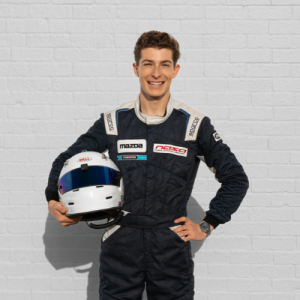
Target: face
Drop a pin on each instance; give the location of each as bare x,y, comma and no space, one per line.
155,71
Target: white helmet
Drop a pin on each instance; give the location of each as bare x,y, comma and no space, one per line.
90,184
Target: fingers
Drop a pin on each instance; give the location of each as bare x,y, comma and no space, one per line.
61,209
58,211
181,231
181,219
66,221
190,231
180,228
183,235
189,234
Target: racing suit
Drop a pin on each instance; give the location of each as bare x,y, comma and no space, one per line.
158,158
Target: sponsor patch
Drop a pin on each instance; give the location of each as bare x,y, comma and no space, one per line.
109,122
216,136
132,157
131,146
194,125
164,148
84,159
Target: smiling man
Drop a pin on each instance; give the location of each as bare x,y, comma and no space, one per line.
157,142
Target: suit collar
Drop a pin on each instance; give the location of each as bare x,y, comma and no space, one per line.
153,120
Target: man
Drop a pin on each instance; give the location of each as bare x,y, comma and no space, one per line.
152,242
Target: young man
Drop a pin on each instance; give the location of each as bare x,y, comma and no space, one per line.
152,242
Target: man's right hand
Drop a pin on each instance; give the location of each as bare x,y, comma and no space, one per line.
59,213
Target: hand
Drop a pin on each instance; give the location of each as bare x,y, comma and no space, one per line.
191,230
58,212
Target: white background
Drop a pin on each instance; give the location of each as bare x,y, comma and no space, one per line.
63,62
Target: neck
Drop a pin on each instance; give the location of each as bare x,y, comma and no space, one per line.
154,106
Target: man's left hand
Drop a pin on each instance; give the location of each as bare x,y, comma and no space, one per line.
191,230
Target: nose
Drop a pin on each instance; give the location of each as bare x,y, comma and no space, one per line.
156,72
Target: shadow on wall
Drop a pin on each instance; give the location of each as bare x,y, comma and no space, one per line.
78,247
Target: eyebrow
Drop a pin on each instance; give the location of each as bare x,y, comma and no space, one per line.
161,61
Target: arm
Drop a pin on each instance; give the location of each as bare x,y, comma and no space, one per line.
228,171
95,139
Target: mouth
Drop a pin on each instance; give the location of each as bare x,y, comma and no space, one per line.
155,84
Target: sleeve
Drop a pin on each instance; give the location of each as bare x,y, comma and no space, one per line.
95,139
228,171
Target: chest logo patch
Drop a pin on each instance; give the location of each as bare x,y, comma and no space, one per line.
131,146
164,148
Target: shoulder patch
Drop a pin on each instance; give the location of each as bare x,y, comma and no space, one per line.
111,118
193,120
216,136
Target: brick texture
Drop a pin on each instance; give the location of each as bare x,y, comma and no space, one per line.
64,62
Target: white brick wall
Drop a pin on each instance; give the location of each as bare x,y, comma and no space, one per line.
62,63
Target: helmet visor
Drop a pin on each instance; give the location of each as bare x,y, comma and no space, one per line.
95,175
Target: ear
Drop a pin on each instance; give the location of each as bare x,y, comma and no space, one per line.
135,69
176,70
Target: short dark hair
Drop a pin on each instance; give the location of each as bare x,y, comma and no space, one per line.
156,39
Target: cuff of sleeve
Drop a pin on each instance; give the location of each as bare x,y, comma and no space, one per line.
211,220
52,196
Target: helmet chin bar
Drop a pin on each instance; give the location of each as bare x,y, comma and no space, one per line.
117,214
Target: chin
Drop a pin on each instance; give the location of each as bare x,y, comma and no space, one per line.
157,92
160,94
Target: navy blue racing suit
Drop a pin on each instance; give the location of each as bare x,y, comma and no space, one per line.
158,158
